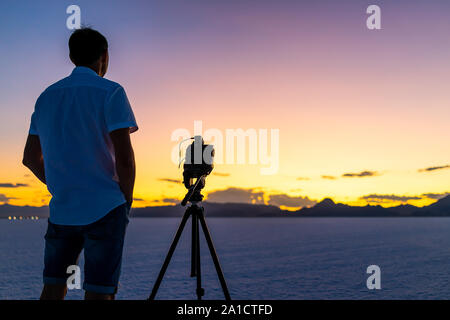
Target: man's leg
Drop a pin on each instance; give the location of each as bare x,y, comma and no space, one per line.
98,296
103,248
54,292
63,245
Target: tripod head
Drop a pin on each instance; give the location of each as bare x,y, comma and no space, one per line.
194,191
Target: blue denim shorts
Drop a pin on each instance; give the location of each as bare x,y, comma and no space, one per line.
102,242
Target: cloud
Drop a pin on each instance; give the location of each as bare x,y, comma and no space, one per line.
288,201
388,198
360,174
238,195
12,185
436,196
434,168
219,174
169,180
171,200
255,196
302,179
5,199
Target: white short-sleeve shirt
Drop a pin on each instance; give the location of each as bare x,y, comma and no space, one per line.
73,119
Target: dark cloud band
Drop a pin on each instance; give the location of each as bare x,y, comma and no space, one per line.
169,180
434,168
386,197
362,174
13,185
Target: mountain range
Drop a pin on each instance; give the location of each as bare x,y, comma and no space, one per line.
325,208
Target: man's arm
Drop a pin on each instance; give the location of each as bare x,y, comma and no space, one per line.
125,164
32,157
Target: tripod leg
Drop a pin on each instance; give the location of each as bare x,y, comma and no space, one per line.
169,254
200,291
194,244
212,250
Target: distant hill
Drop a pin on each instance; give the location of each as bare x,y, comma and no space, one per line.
7,210
440,208
325,208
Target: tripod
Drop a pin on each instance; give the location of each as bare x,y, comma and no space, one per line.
196,213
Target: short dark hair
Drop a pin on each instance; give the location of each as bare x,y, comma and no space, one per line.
86,46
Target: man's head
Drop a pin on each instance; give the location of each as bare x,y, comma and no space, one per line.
89,48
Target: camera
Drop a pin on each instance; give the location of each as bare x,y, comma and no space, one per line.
198,162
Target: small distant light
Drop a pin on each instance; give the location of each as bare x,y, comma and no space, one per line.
14,217
20,218
32,218
9,218
37,218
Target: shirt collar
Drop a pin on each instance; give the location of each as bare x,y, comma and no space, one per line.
86,70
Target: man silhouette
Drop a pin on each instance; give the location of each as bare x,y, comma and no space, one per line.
79,146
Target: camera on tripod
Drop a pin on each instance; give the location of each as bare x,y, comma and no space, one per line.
198,163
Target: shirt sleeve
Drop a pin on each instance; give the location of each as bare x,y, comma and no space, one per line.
118,112
33,127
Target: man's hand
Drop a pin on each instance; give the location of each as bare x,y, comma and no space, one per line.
32,157
125,165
